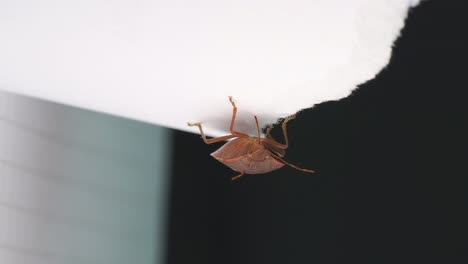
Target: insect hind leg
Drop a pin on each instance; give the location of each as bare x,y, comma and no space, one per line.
211,140
292,165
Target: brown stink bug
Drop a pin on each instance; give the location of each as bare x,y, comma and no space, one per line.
251,155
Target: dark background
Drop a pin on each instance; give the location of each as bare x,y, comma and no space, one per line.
391,159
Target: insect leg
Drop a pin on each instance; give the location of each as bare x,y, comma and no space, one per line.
268,131
238,176
243,172
291,165
233,119
285,133
211,140
258,129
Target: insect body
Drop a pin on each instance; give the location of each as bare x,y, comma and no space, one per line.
250,155
247,155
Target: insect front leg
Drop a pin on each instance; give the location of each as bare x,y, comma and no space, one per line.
233,120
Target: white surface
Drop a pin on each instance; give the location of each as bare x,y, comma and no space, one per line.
169,62
79,187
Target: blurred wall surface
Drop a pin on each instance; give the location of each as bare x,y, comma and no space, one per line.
78,186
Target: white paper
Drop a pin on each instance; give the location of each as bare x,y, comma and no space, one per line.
169,62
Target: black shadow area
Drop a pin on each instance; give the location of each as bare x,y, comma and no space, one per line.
391,159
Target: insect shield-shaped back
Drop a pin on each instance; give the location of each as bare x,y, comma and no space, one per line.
246,155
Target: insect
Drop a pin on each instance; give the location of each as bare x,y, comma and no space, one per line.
251,155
